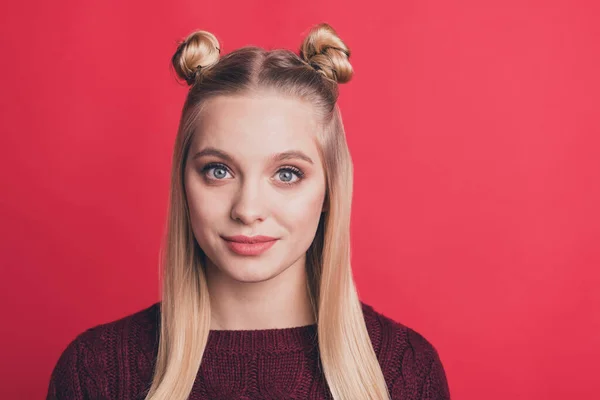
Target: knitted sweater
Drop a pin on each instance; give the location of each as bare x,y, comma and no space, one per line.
115,360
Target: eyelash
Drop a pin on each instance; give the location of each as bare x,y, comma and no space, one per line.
295,170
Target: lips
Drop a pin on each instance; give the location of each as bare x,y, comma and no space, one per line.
252,246
249,239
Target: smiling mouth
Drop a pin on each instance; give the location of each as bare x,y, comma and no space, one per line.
249,239
250,249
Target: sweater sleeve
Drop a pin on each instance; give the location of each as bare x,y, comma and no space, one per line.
71,377
436,384
421,375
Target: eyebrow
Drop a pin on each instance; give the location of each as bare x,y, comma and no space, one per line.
286,155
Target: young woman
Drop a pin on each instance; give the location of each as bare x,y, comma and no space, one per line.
258,299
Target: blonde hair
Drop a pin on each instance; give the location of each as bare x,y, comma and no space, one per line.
349,363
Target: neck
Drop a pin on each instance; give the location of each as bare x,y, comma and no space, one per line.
283,301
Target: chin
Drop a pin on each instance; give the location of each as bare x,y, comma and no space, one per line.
242,271
245,268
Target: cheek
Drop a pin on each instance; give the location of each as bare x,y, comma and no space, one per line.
302,212
206,215
204,210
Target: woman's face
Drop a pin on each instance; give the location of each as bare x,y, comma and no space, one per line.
236,185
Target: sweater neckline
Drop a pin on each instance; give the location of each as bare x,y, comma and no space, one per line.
303,337
265,340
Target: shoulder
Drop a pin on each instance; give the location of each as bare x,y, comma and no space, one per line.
137,325
409,361
133,330
390,337
88,362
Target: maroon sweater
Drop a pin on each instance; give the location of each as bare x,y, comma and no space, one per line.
115,360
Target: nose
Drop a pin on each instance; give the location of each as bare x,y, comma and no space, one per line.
249,204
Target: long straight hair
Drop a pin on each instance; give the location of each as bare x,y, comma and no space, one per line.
350,365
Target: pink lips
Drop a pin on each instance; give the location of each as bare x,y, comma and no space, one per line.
249,246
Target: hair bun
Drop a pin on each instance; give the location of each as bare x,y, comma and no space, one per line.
197,52
323,49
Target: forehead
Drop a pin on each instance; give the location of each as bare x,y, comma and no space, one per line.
257,125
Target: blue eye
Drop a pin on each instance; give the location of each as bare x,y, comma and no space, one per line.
223,171
220,171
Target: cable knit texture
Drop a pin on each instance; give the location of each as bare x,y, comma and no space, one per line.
115,360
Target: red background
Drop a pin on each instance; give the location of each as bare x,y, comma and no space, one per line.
473,127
